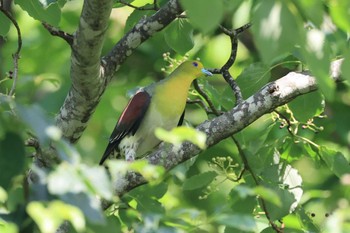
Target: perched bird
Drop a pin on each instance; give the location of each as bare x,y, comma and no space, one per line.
161,104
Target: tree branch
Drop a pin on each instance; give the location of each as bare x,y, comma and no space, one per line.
86,72
142,31
56,32
89,74
264,101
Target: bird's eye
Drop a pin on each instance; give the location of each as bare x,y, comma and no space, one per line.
195,64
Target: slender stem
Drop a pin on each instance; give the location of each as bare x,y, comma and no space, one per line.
16,55
256,180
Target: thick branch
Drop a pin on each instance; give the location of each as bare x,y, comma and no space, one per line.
86,72
266,100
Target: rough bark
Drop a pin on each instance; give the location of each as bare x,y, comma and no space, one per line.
86,71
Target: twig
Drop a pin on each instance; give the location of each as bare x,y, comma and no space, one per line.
141,8
289,124
56,32
206,97
16,55
224,70
203,105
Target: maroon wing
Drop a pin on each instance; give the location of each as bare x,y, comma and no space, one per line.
128,122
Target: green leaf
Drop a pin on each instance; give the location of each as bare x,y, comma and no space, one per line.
307,223
269,230
149,205
312,9
156,191
307,106
204,15
339,10
15,198
50,14
12,158
179,36
335,161
5,24
285,182
253,78
88,204
238,221
275,29
51,217
112,225
180,134
35,117
8,227
199,181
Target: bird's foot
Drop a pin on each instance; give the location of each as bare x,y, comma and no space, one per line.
130,159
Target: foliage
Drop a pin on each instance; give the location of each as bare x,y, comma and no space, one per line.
289,169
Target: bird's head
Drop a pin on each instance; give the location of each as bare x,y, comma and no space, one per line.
194,68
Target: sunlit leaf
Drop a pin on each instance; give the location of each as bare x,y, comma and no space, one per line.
276,29
180,134
8,227
317,54
339,10
65,179
51,217
96,178
148,171
3,195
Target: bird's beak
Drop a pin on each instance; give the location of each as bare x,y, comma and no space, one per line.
206,72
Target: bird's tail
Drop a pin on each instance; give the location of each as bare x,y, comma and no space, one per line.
110,148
